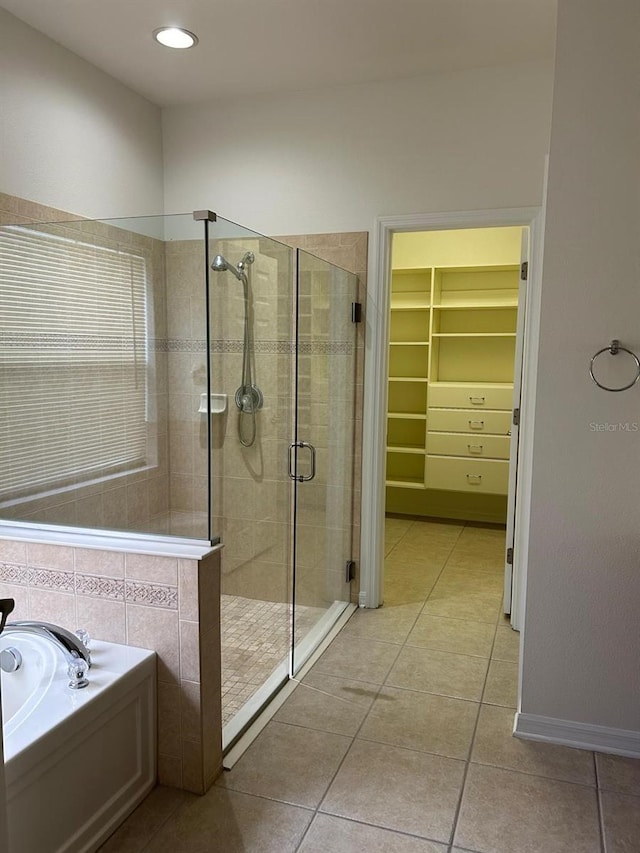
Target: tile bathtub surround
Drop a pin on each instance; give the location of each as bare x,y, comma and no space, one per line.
169,605
352,762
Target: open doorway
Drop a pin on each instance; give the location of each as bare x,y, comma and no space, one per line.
454,365
377,386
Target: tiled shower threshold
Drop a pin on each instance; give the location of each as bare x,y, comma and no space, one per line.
255,653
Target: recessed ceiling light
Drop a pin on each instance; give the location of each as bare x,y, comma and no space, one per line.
175,37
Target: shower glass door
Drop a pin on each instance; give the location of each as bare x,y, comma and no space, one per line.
251,344
322,453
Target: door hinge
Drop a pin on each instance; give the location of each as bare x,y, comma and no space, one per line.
350,571
516,417
510,556
356,312
524,270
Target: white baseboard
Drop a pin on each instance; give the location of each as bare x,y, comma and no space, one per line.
577,735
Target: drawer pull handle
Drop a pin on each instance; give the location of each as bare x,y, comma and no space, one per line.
476,424
475,448
476,401
475,479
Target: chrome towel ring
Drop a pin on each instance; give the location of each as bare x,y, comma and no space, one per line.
613,349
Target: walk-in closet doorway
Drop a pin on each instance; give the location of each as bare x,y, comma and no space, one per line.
451,365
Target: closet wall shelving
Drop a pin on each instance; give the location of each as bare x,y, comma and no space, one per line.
451,356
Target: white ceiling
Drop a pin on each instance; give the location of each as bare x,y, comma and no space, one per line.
260,46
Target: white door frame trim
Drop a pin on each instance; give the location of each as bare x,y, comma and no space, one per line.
375,385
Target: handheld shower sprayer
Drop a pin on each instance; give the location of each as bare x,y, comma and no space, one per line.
248,397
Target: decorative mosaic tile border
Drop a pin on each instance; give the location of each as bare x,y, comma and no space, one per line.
152,595
265,347
47,341
96,586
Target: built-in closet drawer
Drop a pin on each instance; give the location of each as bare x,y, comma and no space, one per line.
460,396
459,420
457,444
488,476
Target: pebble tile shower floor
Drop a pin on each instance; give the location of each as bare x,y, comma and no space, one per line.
399,738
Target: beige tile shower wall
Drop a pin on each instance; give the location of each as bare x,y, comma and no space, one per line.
132,501
251,495
349,251
171,606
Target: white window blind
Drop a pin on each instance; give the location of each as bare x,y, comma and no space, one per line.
73,360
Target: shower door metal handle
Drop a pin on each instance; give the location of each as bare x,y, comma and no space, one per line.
301,477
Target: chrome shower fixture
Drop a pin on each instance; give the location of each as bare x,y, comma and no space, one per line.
221,264
248,396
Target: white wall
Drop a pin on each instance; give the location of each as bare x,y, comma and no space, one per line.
72,137
582,637
334,160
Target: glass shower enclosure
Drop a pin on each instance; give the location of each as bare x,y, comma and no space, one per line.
183,376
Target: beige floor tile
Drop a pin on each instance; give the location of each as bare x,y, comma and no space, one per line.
421,721
507,645
398,567
432,552
395,529
146,820
328,834
433,534
232,822
358,659
403,588
397,789
288,763
504,812
621,822
482,535
494,744
389,624
444,673
472,580
437,528
477,560
452,635
328,704
619,774
502,684
458,584
475,607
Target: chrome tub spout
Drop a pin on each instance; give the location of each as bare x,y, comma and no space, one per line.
74,649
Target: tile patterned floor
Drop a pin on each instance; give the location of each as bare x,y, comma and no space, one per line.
399,738
255,640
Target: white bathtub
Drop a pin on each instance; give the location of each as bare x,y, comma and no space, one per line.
77,762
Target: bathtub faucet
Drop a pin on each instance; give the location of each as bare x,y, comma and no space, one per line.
6,607
74,650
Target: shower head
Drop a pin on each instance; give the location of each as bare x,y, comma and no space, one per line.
247,259
220,264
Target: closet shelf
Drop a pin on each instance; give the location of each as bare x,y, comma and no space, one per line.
409,343
473,335
408,379
406,484
409,416
405,448
456,306
411,306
